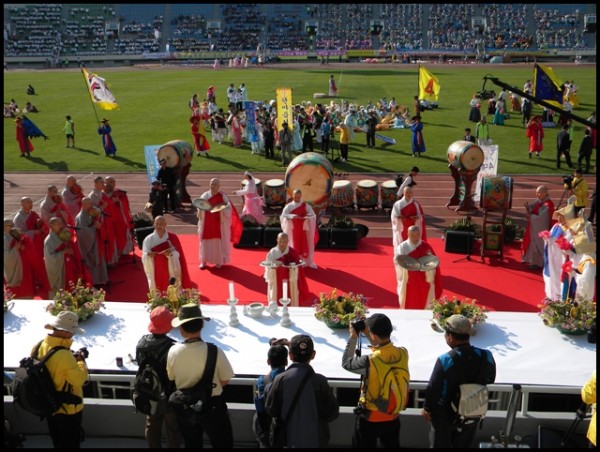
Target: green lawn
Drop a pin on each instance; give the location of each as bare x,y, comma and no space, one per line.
154,110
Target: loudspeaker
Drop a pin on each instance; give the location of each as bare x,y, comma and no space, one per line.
251,237
141,234
460,242
270,236
344,238
323,238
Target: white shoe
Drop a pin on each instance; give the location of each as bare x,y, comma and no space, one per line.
313,265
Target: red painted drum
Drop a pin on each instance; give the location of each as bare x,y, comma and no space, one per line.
275,193
496,193
177,153
388,193
367,194
259,188
312,173
465,155
342,194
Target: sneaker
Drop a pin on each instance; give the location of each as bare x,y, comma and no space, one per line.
202,266
197,154
537,155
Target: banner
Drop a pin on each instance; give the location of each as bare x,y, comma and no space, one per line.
429,85
152,165
546,86
250,110
488,168
99,92
284,108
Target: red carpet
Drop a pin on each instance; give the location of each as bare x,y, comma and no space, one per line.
500,285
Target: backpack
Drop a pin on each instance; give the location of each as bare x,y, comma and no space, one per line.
393,385
472,403
33,388
197,397
148,394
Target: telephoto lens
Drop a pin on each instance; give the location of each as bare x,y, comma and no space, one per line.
358,325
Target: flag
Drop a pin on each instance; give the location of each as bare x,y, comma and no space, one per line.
429,85
99,92
546,86
284,107
31,130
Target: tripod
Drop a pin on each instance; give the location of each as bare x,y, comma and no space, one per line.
470,236
580,415
565,196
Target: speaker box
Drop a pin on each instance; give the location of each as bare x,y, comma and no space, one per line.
251,237
323,238
141,234
344,238
460,242
270,236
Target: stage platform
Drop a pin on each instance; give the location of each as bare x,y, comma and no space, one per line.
526,351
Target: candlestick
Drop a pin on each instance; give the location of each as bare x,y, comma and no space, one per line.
233,317
285,315
285,288
231,293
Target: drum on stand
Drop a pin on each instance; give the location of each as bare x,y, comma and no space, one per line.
342,194
275,193
367,194
388,193
496,193
312,173
465,155
178,155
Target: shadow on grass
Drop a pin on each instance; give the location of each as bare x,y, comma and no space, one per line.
130,163
54,166
87,151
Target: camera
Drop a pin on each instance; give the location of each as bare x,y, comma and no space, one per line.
568,182
358,325
82,353
359,409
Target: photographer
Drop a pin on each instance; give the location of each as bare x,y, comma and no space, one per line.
68,371
579,187
372,424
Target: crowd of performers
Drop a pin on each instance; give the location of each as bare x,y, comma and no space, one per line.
313,126
74,238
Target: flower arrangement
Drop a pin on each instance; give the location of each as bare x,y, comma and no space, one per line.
570,316
8,296
172,300
85,301
445,307
340,309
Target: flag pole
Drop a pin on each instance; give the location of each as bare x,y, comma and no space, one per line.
90,94
419,83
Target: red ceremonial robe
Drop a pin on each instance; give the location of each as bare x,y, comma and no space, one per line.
292,256
34,221
161,264
212,221
535,210
412,210
300,241
417,287
34,271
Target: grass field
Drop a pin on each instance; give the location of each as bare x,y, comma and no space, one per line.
154,109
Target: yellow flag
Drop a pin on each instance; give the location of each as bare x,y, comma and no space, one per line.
99,92
429,85
284,108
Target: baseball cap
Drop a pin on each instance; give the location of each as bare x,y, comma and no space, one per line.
160,320
458,324
301,345
379,324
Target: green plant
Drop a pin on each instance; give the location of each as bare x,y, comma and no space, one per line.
173,302
512,231
340,222
85,301
273,221
341,309
467,225
568,315
445,307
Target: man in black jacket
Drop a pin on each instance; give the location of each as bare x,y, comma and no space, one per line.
563,146
168,179
157,345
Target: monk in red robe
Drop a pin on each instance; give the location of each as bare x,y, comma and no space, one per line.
299,221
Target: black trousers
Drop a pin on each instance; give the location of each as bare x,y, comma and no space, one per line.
65,430
214,421
567,155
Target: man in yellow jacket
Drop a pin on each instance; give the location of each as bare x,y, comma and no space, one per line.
588,395
69,372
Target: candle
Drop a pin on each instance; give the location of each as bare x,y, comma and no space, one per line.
231,294
285,288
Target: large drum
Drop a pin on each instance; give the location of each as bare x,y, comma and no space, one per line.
177,153
259,188
388,193
367,194
275,193
342,194
465,156
496,193
313,174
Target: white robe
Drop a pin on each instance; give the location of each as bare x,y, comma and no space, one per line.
397,225
216,251
174,263
271,278
13,266
308,226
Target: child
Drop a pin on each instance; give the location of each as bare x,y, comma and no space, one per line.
277,359
157,199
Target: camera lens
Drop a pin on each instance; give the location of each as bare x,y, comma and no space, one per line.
358,325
